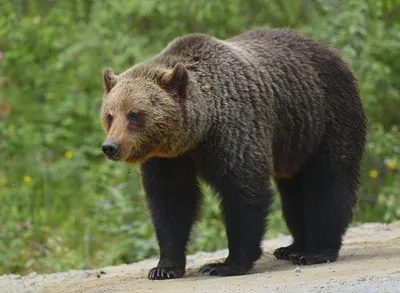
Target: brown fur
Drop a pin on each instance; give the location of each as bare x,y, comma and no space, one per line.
186,110
237,112
144,139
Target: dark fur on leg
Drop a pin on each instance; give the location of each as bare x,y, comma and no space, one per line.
292,199
329,182
173,197
245,200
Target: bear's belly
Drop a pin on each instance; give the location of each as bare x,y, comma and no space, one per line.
289,159
282,174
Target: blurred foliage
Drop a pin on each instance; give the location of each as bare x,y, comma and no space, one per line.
63,205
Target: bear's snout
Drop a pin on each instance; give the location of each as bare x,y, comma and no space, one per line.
110,148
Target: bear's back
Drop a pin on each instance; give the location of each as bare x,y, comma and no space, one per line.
279,35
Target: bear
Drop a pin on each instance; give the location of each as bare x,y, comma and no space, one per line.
265,106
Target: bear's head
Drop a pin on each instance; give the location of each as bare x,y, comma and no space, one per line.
143,113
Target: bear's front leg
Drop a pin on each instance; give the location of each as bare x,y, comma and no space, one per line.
173,195
246,197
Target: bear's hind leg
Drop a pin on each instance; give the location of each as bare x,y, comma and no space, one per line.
329,181
292,200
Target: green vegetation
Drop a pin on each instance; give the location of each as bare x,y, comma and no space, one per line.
63,205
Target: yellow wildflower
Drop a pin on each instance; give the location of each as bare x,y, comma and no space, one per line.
373,174
393,166
69,154
27,179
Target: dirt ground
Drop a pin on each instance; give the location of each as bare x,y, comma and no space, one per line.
368,262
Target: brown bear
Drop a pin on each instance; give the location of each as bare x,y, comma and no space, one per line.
266,104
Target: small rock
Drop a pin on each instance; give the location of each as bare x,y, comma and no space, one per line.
98,275
363,279
21,282
297,270
32,275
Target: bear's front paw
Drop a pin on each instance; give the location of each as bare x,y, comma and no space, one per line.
223,269
163,273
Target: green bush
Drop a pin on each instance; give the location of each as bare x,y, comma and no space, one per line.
63,205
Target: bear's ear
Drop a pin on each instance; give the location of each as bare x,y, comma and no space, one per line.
176,80
109,79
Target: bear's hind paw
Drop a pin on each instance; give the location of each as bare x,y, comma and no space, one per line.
317,257
285,252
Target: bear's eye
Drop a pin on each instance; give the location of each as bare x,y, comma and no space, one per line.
133,117
109,119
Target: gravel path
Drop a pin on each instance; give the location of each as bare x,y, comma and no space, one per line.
369,262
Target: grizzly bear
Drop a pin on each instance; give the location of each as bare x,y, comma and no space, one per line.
236,113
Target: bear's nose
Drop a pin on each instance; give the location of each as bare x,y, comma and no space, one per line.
110,148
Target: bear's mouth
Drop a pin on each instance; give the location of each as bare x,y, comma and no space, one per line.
139,155
117,157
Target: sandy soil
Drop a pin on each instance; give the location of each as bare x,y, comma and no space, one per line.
368,262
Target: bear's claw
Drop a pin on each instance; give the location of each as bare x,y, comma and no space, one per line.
163,273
